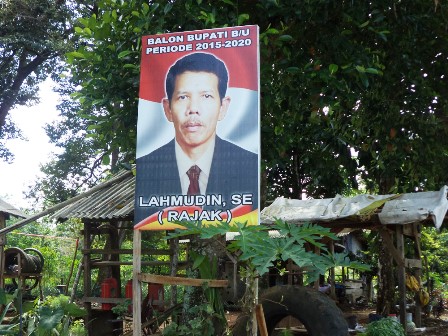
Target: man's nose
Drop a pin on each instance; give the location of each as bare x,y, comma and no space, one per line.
193,107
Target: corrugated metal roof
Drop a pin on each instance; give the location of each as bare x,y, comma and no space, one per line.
10,210
115,201
392,209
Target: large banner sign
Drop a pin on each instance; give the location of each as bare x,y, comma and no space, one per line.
198,128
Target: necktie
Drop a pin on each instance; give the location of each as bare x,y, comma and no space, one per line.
193,175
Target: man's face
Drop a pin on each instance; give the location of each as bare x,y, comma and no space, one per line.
195,109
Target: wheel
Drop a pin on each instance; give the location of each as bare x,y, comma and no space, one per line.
318,313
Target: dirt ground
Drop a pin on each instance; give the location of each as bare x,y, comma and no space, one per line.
433,326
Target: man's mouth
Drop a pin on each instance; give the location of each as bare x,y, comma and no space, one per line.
192,126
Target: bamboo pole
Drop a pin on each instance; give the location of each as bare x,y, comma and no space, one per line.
261,321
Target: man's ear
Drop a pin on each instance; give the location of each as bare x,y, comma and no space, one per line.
167,109
224,107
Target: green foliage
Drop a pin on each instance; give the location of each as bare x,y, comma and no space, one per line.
261,250
57,245
384,327
201,325
122,308
78,328
52,316
9,328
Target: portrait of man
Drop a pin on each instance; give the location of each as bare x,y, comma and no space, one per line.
197,161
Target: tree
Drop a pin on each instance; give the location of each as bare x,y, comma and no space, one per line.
33,34
336,78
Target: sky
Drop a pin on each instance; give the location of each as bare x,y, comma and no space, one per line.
31,153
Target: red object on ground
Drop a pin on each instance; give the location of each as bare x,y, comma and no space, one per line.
128,293
109,289
156,296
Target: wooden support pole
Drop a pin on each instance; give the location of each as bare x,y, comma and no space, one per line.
261,321
2,250
418,275
136,286
401,274
87,277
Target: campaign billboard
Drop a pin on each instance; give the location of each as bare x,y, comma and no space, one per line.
198,128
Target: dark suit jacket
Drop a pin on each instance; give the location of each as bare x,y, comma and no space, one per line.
233,171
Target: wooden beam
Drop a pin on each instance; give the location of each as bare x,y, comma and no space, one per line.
126,251
413,263
396,254
171,280
401,275
261,321
144,263
136,286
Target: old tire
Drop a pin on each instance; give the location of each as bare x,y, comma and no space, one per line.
318,313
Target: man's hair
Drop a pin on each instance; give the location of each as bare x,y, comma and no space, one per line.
198,62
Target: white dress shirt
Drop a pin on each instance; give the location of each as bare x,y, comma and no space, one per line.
204,163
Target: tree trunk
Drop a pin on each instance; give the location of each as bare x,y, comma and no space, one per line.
386,282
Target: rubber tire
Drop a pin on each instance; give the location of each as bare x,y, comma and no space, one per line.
318,313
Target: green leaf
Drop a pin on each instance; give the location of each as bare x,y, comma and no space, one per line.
242,18
333,68
167,8
285,38
106,160
49,318
364,24
76,54
199,259
124,53
293,69
373,71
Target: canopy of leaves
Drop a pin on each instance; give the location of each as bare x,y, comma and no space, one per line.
32,34
336,78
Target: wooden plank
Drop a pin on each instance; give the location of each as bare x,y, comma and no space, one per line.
126,251
144,263
136,287
2,250
413,263
401,274
171,280
261,321
102,300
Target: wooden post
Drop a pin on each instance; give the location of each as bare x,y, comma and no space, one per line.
332,275
174,250
401,274
418,275
316,283
87,276
136,285
261,321
2,250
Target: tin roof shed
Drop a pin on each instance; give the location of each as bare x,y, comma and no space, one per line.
8,209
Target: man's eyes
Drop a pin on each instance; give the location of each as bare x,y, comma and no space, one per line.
205,95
